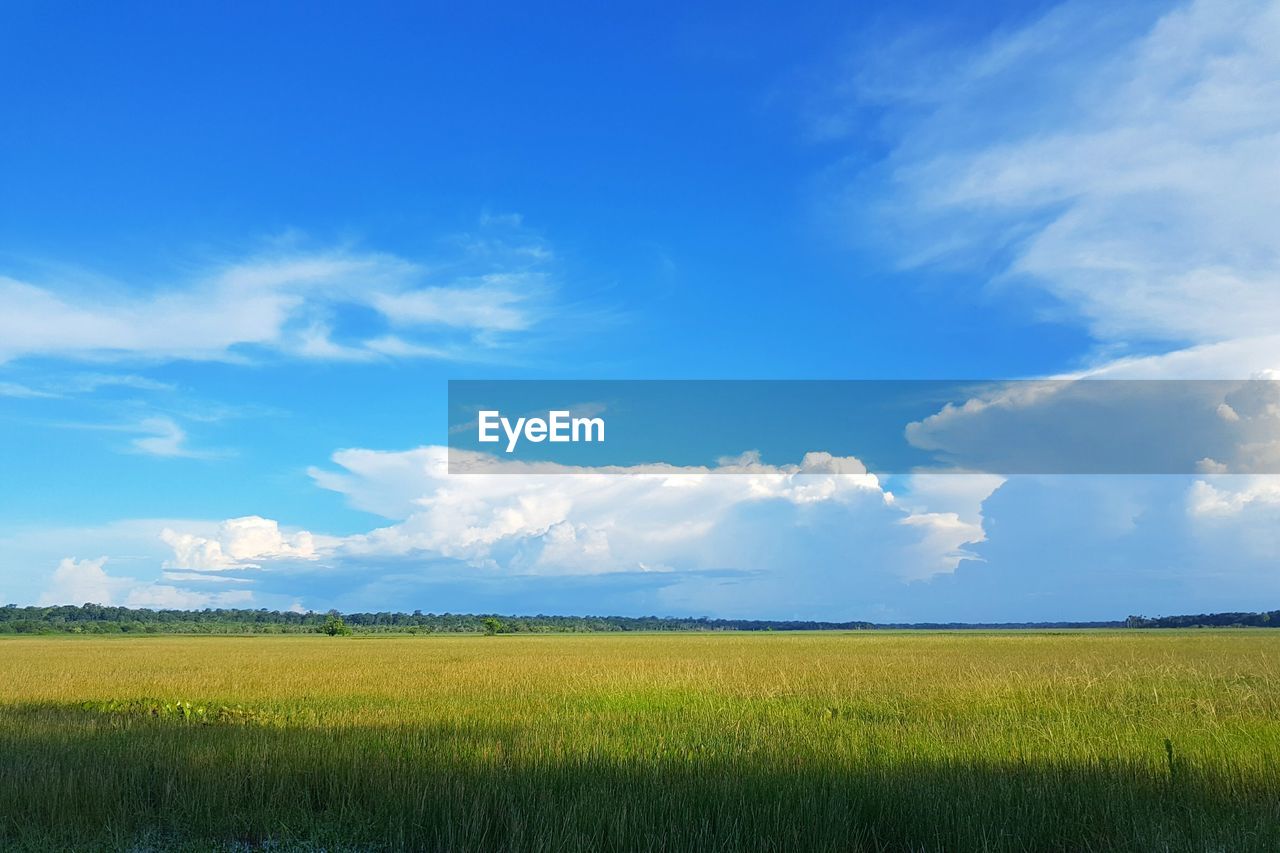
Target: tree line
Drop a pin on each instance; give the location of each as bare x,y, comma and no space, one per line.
1265,619
101,619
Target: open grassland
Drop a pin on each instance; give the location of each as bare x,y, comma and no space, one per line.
906,741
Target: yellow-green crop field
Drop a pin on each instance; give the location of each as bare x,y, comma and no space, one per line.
1136,740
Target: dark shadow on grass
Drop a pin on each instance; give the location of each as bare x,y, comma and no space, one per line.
77,778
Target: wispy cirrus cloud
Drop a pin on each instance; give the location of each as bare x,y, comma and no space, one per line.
160,435
51,388
1120,160
163,438
340,304
17,389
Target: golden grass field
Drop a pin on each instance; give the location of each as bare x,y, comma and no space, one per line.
1090,740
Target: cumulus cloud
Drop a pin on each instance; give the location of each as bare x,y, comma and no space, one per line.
1103,547
1110,427
821,537
81,581
565,518
87,582
1239,518
239,543
1233,496
948,536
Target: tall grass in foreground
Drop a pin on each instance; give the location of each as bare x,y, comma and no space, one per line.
1000,741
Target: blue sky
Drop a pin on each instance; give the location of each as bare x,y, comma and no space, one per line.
242,251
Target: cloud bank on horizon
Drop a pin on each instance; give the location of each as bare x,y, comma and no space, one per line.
264,429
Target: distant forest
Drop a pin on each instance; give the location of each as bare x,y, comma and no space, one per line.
1266,619
96,619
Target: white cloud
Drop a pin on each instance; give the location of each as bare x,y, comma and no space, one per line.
495,303
239,543
1120,159
165,597
1255,358
1235,520
287,303
948,536
563,507
83,383
1232,496
816,537
397,347
1129,172
89,382
1209,465
15,389
1112,427
203,322
203,578
86,581
166,438
544,518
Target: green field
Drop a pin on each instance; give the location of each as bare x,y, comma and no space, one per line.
867,740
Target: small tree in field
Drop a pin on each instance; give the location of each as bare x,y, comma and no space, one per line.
492,625
334,626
